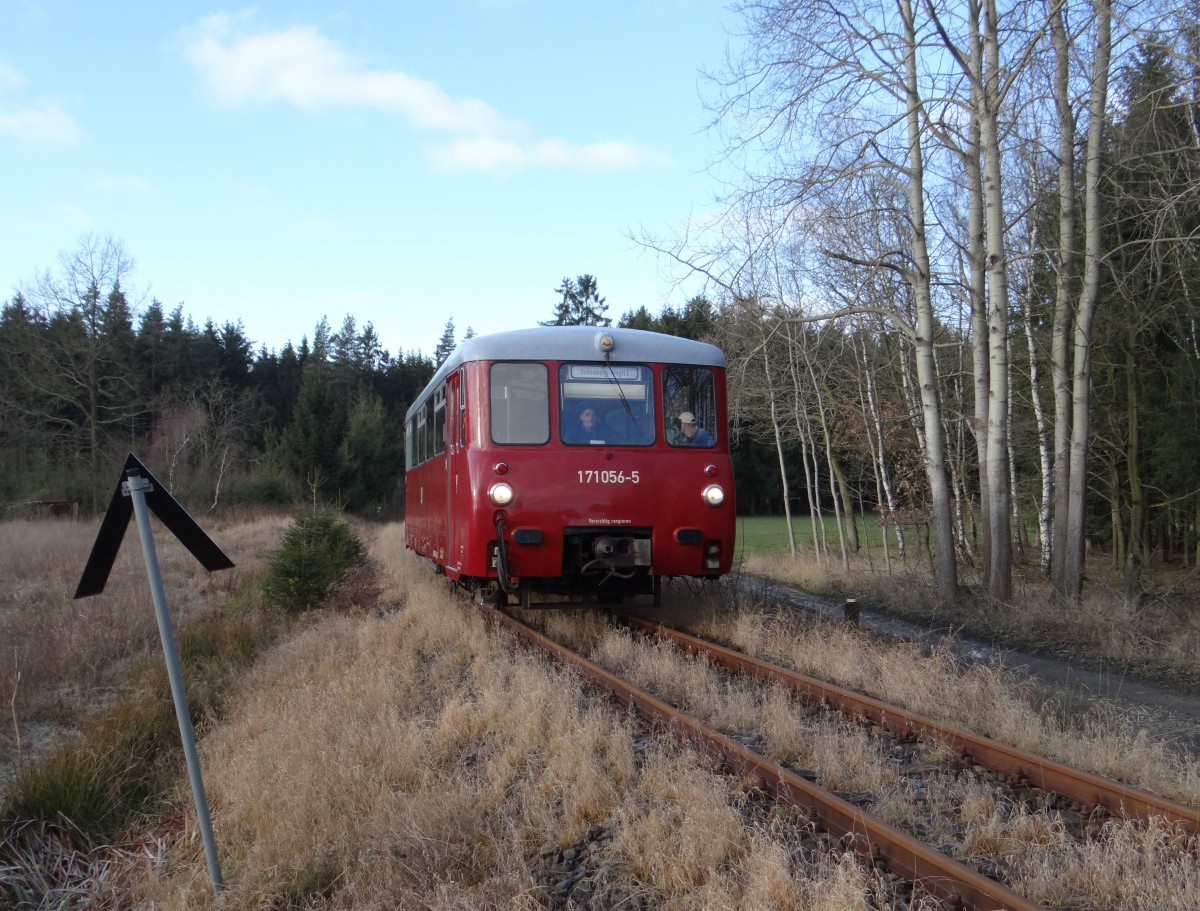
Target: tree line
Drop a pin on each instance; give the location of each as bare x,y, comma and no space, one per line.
956,283
86,376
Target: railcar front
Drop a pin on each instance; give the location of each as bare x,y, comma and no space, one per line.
574,461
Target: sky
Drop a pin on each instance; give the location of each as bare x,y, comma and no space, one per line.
403,163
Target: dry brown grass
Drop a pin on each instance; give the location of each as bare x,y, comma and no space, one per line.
415,758
63,659
963,816
409,757
1156,634
1162,864
979,697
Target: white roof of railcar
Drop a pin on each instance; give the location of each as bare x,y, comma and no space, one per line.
577,343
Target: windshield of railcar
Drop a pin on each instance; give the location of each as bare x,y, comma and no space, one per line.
606,404
690,406
520,403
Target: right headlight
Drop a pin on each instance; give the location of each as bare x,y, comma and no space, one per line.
714,495
501,493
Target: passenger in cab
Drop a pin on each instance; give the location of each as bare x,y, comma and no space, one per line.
693,433
586,428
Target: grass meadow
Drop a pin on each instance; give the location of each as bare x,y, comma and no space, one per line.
764,536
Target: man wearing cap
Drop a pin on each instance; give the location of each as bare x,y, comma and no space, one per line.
694,435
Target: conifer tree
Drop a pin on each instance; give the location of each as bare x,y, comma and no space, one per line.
580,304
445,345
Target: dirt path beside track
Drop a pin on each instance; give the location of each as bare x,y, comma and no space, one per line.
1162,711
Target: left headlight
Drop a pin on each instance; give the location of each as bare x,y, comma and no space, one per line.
501,493
714,494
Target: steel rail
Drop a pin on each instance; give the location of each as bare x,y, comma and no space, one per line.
1090,790
925,867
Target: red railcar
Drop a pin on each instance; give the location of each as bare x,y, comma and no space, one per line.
554,460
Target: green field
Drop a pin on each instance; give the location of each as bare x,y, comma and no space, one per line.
765,535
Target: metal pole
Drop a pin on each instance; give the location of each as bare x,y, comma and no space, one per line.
136,487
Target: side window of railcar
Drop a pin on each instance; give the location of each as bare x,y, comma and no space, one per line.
606,404
690,406
462,408
419,443
439,420
519,394
430,430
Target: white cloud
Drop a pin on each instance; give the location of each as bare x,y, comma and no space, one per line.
10,78
480,154
493,154
301,67
45,122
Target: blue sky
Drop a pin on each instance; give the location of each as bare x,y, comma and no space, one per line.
405,163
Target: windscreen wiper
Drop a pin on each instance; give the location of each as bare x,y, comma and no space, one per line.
620,391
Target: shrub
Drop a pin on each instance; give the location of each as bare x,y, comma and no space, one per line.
106,779
316,552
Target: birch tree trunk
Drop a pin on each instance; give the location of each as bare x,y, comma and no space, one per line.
1043,435
999,492
835,476
883,482
1064,293
1073,556
783,481
945,566
808,452
976,257
1135,558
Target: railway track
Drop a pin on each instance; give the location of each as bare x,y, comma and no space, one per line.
903,855
1165,713
1090,792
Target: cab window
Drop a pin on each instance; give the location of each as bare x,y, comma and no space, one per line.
690,406
519,396
606,404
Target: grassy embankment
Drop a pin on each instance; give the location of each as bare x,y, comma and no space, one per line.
402,756
405,756
1155,635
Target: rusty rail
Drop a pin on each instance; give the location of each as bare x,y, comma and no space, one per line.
904,855
1121,800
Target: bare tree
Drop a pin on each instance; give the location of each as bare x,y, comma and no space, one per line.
1069,535
992,79
849,120
847,78
83,378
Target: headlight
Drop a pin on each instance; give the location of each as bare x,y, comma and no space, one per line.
501,493
714,495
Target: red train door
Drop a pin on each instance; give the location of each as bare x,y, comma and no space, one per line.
458,481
